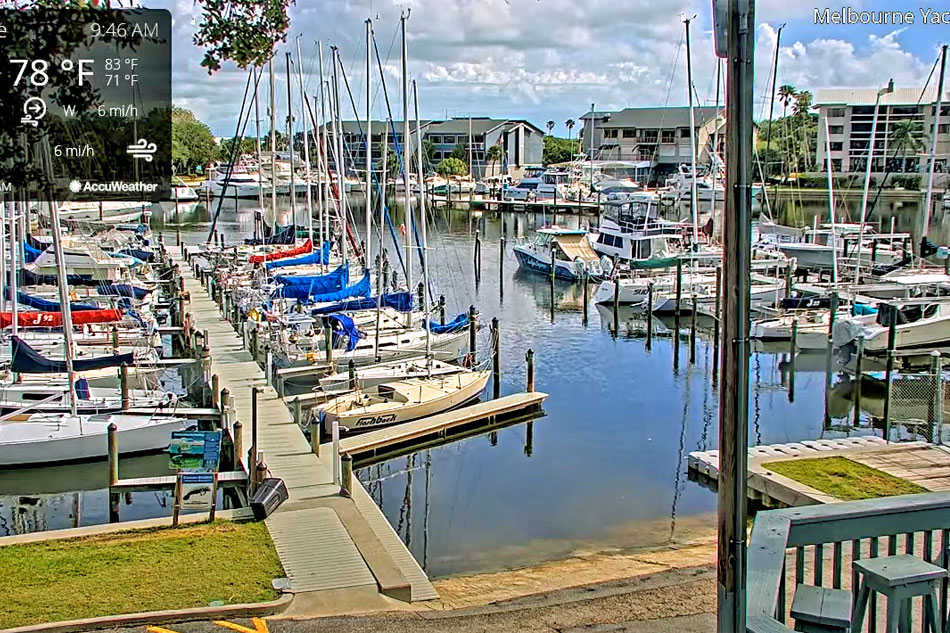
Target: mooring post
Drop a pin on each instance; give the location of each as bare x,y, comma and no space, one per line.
889,367
124,385
472,329
679,295
551,276
692,332
936,407
833,310
792,353
237,441
529,359
351,370
616,304
115,340
858,373
501,268
268,365
254,342
328,343
297,411
181,302
496,357
346,466
649,316
529,439
586,292
222,406
252,455
113,451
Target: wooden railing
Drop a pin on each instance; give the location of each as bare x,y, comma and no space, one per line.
816,544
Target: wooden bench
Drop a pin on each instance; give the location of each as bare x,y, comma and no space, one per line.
821,609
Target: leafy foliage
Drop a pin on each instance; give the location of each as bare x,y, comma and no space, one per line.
192,142
451,167
242,31
460,151
559,150
246,146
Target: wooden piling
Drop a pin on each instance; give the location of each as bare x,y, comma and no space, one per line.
936,373
529,359
792,353
124,385
442,310
472,329
223,401
351,369
586,293
858,373
829,356
215,388
501,268
692,332
649,316
346,464
112,438
477,263
237,439
496,357
551,277
252,455
328,344
115,339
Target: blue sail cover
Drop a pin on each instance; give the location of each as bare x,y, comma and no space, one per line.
283,235
315,257
45,305
124,290
342,325
457,324
30,254
27,360
362,288
401,301
303,287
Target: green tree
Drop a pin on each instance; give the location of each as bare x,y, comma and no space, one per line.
569,124
246,146
451,167
786,94
460,151
550,126
558,150
494,155
243,31
428,151
192,142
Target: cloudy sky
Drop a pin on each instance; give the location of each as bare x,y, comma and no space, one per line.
550,59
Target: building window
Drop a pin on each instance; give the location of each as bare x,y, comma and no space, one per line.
836,129
834,113
436,139
650,136
669,136
448,139
630,133
610,133
943,128
684,132
904,110
836,146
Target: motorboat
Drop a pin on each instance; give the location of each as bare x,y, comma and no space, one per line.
631,230
112,212
241,183
402,400
569,250
920,324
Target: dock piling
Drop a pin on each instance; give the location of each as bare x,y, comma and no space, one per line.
586,293
472,329
268,364
616,303
858,373
442,310
237,441
351,370
529,359
551,277
252,455
124,385
328,343
936,405
112,437
215,389
477,263
496,357
649,316
792,353
833,310
501,268
889,368
346,463
223,398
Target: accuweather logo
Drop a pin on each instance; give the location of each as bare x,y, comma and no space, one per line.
112,187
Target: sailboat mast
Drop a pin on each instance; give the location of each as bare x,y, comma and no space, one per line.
338,147
405,152
273,143
925,227
290,146
715,157
380,282
694,205
422,225
306,146
257,150
831,207
369,148
13,267
64,303
324,164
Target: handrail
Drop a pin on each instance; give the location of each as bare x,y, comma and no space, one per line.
775,531
34,405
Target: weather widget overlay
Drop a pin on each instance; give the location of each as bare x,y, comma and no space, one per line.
85,112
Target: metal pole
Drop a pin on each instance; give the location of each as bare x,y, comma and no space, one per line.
933,143
369,149
501,268
496,357
734,389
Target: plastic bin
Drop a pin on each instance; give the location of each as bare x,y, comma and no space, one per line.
270,494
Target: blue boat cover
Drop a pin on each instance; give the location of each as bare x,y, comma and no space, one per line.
342,325
361,288
303,287
283,235
315,257
455,325
32,279
124,290
45,305
30,254
860,309
27,360
401,301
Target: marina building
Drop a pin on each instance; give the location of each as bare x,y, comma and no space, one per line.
901,139
656,137
521,140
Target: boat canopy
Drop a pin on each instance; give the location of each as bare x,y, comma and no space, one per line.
575,246
49,306
401,301
316,257
27,360
342,325
275,255
362,288
302,287
457,324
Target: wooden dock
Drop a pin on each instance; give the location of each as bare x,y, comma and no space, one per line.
325,541
483,413
532,206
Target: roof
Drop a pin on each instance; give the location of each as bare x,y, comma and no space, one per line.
480,125
674,116
457,125
868,96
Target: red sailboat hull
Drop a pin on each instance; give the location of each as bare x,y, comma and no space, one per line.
55,319
303,249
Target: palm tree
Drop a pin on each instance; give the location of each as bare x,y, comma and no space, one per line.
494,154
786,93
569,124
908,138
550,126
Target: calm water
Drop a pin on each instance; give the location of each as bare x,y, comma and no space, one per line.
606,465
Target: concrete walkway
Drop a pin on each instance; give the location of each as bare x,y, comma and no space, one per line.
326,542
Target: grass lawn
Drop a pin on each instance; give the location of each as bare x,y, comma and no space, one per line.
843,478
144,570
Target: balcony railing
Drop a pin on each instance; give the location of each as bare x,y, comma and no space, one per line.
816,544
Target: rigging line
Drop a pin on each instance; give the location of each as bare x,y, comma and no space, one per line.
235,147
666,103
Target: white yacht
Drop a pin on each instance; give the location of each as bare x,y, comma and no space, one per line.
241,183
921,324
632,230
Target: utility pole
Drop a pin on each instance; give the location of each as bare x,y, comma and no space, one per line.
735,41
